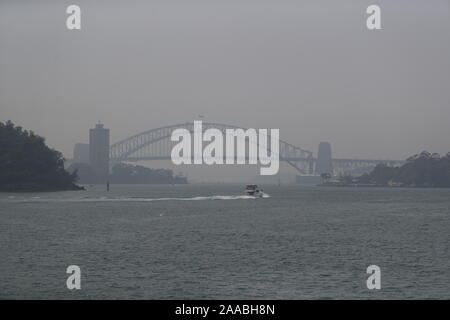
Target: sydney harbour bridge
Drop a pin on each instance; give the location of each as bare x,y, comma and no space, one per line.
155,144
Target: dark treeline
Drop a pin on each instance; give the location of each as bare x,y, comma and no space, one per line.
128,174
421,170
27,164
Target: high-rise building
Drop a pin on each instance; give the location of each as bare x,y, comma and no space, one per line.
99,150
81,153
324,159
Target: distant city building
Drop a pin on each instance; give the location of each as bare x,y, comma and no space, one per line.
323,164
81,153
99,150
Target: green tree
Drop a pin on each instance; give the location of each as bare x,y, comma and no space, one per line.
26,163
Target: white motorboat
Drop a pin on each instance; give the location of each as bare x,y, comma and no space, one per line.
252,190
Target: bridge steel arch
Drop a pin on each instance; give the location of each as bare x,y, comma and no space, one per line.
155,144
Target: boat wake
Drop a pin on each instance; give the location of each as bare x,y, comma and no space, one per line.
140,199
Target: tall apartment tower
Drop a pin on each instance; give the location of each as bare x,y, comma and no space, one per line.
324,159
99,150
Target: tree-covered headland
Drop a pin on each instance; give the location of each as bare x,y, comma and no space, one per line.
427,170
28,164
123,173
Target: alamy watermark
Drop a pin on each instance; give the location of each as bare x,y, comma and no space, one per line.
241,146
373,22
74,280
374,280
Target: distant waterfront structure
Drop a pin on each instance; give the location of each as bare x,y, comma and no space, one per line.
324,159
81,153
99,150
308,179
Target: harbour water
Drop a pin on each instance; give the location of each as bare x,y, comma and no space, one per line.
211,242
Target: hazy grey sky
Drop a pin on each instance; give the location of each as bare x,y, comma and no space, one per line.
309,68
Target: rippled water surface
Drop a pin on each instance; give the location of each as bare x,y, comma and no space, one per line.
210,242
